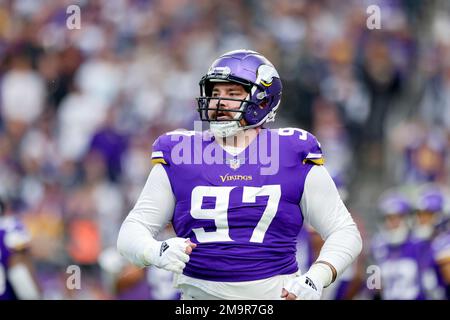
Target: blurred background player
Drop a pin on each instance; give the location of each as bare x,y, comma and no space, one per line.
395,252
440,248
17,280
429,210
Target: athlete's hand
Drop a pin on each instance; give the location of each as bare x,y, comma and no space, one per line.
305,287
171,254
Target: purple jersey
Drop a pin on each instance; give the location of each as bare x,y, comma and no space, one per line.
12,237
430,277
6,292
440,248
243,211
400,269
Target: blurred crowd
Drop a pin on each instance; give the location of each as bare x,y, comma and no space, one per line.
80,109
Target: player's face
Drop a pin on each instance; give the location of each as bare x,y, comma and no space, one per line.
393,222
226,90
424,218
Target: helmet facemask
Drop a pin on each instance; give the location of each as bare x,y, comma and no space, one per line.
259,79
211,109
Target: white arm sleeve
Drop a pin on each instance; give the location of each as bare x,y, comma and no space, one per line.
152,212
324,210
23,283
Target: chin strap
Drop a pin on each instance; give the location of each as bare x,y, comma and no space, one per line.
225,129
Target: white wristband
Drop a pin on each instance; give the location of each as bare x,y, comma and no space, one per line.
151,253
323,272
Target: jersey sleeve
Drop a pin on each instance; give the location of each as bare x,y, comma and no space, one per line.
161,150
305,145
172,148
312,152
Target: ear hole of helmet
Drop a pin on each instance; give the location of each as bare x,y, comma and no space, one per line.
265,103
254,112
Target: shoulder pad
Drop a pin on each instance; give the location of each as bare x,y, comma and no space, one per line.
305,144
162,147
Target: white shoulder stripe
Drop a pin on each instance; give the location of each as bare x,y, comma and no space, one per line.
157,154
314,155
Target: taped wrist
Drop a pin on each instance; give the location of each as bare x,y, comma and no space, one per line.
322,272
152,253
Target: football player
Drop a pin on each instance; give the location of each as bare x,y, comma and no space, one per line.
237,195
17,279
396,253
440,247
429,210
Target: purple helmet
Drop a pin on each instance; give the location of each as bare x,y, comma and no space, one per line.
394,204
259,78
431,200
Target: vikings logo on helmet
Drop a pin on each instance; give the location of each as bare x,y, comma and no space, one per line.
267,74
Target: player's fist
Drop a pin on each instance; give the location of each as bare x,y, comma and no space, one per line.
305,287
171,254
